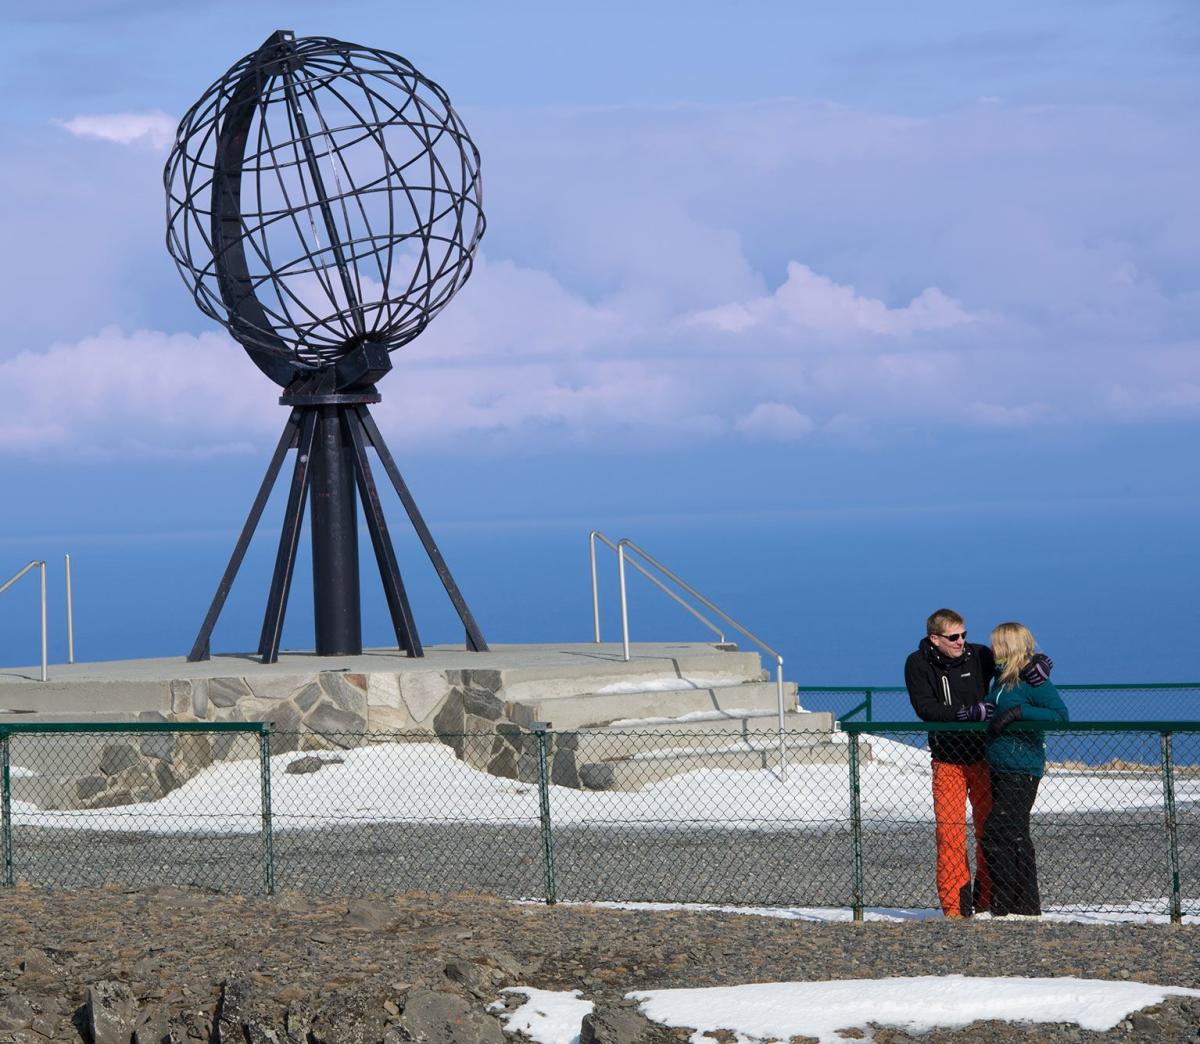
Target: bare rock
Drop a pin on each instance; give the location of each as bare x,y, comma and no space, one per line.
436,1017
596,776
111,1012
615,1024
311,763
244,1016
118,756
16,1013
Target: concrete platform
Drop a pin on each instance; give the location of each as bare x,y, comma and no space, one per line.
612,720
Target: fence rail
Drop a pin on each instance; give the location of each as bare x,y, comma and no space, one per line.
589,815
1160,699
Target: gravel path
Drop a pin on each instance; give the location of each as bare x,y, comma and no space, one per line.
342,970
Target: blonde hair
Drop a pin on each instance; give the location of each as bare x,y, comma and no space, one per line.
1013,646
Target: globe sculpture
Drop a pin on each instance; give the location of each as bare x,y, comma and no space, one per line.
324,203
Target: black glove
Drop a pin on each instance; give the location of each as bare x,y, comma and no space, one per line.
974,712
1001,721
1037,670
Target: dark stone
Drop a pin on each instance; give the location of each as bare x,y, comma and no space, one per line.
476,980
449,722
562,769
567,740
226,692
483,704
341,728
489,680
435,1017
512,735
596,776
308,697
342,694
166,778
285,742
116,757
16,1013
158,744
615,1024
503,764
312,763
527,767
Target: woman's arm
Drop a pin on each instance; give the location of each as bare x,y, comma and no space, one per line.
1045,704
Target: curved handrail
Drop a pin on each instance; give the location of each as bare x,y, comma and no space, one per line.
625,545
35,564
595,535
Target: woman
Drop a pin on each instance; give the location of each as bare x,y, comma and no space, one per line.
1017,761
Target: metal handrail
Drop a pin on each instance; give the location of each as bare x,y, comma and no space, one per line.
595,535
35,564
624,545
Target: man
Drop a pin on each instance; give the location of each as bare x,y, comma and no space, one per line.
948,680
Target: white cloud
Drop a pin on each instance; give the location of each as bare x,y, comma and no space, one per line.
774,421
808,300
154,129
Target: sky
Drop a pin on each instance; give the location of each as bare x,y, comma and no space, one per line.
846,311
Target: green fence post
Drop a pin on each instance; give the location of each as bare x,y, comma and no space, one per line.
856,899
538,728
870,703
264,764
6,809
1172,825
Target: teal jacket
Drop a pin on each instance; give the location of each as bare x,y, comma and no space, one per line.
1016,750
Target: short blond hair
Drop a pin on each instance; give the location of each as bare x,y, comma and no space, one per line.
943,618
1013,645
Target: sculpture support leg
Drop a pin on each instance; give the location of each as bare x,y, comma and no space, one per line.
475,640
200,649
336,609
285,559
385,554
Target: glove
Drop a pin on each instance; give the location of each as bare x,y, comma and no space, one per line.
1001,721
1037,670
974,712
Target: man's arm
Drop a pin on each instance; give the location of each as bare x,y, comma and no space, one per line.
926,699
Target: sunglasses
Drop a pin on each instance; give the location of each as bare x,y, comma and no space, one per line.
961,636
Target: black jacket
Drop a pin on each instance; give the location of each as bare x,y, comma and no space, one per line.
938,685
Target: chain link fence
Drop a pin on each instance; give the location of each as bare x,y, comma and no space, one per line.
595,814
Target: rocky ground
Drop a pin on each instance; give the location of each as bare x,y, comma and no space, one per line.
170,964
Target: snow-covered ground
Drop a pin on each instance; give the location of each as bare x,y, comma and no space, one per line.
397,782
774,1011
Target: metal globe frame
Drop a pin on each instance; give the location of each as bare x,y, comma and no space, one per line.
324,203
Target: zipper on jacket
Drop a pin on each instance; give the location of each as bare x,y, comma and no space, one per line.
946,690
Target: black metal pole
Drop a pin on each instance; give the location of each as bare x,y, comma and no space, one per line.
335,539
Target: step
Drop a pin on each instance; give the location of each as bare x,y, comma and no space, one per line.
601,708
600,672
621,739
748,756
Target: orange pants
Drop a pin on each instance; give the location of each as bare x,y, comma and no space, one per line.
952,784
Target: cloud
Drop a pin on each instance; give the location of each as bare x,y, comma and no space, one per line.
154,130
807,300
774,422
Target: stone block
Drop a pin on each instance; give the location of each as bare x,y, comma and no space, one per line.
227,692
118,756
389,719
451,719
424,693
343,695
562,769
193,753
595,776
445,1018
383,690
340,727
157,744
111,1012
89,786
308,697
181,698
527,767
482,703
277,687
503,763
483,679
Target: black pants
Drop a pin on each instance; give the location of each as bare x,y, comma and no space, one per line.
1008,847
